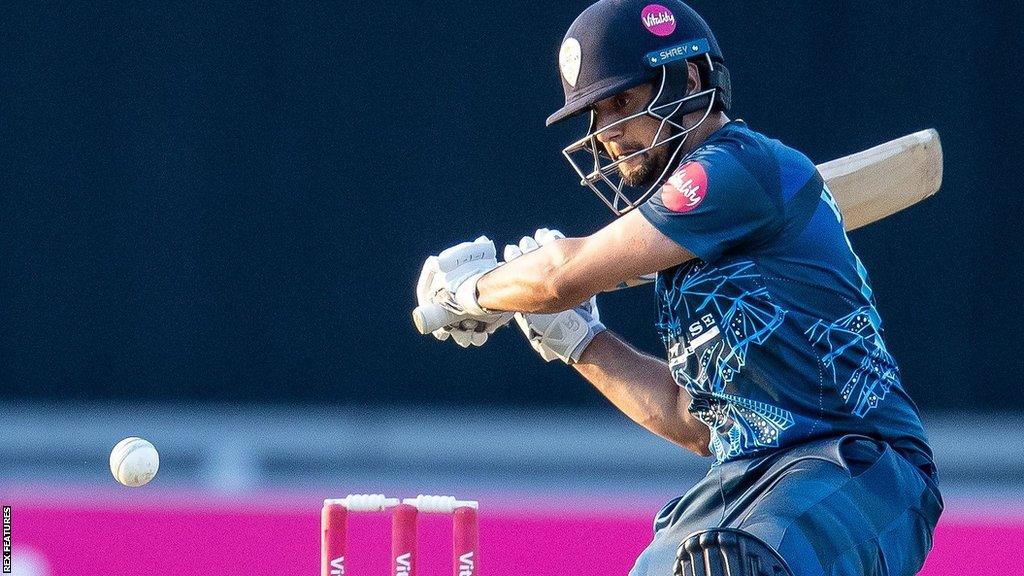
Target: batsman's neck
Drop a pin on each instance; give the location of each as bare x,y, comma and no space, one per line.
713,123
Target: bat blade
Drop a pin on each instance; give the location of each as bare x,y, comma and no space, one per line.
883,180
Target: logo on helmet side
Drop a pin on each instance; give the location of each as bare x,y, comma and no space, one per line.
686,189
658,20
569,60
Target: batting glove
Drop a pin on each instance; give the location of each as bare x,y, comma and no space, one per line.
449,279
563,335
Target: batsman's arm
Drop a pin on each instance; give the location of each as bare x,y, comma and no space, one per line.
560,275
641,386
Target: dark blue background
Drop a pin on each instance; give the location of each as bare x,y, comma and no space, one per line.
232,200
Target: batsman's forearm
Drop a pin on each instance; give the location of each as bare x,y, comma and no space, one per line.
642,387
535,282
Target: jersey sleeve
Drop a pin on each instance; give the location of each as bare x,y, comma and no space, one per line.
711,205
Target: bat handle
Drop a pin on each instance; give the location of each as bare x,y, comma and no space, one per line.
431,317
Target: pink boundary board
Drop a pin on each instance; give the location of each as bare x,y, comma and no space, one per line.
228,538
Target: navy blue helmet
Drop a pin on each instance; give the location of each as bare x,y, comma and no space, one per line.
615,45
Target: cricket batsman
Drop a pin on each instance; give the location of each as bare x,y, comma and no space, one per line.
775,362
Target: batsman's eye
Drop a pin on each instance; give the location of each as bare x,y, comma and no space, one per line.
621,101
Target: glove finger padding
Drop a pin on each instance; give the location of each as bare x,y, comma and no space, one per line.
544,236
512,252
465,260
472,332
527,244
451,258
462,338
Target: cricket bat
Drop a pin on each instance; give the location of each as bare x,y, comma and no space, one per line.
868,186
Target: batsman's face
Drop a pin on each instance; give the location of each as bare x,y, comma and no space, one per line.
631,136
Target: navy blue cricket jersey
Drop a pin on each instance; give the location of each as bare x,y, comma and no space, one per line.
773,329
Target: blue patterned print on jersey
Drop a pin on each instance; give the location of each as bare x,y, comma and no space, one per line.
708,318
773,329
855,354
868,371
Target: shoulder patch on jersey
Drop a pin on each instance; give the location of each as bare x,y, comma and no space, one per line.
686,189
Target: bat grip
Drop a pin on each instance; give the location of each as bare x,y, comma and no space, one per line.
431,317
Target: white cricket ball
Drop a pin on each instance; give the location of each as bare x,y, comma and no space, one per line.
134,462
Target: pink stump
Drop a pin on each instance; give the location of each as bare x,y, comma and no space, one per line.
403,540
332,540
465,535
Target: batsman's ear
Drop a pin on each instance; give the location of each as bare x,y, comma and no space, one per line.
693,81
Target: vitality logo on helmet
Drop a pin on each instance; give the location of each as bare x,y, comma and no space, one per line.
658,20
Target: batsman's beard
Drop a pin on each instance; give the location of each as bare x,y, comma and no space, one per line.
643,170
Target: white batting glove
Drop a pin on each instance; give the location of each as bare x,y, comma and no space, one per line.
449,279
564,335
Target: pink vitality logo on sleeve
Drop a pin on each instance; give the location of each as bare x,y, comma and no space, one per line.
686,189
658,20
